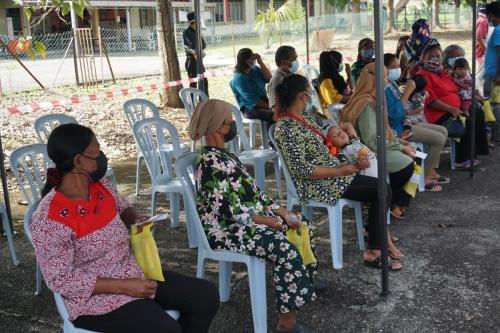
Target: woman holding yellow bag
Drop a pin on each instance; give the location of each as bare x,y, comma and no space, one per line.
82,246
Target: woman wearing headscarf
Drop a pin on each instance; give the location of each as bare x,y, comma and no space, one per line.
366,52
419,40
360,111
332,86
238,217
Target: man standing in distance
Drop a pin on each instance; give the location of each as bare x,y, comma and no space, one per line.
481,38
492,61
192,56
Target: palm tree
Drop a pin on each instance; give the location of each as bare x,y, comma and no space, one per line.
272,19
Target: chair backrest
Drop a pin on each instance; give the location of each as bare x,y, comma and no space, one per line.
190,97
45,124
184,165
238,117
29,165
290,186
311,72
334,111
137,109
153,136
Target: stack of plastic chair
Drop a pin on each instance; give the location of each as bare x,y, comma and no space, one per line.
190,97
151,136
255,157
68,326
334,212
256,267
46,123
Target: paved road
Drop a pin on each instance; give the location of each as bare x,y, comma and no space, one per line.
450,281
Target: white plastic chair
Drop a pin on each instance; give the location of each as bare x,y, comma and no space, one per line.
135,110
190,97
45,124
311,72
8,233
255,157
68,326
256,267
151,136
334,212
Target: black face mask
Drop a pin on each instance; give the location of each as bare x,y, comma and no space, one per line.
102,167
232,132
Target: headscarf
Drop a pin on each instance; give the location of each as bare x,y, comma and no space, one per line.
208,117
364,94
419,40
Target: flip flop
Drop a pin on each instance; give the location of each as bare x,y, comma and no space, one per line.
398,217
442,180
393,256
466,165
377,263
299,328
433,187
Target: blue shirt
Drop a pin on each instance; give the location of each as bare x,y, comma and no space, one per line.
395,109
491,57
249,88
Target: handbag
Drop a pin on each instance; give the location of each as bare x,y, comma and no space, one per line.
146,252
489,117
455,127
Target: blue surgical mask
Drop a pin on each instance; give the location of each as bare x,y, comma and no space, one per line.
394,74
451,61
295,66
367,53
341,67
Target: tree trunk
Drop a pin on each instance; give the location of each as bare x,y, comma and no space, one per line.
170,70
457,12
436,25
400,6
392,17
356,18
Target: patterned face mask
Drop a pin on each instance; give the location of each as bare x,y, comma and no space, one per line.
434,64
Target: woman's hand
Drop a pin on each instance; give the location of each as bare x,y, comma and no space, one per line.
139,288
456,112
409,150
271,222
362,163
348,169
292,224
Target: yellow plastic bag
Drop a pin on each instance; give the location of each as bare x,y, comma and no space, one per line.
146,252
303,243
412,185
489,117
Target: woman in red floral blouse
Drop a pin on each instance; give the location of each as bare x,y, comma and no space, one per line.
81,244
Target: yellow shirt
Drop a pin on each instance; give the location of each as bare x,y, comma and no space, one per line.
328,95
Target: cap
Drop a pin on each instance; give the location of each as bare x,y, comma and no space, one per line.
191,17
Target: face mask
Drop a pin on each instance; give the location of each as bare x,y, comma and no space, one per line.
295,66
341,67
451,61
232,132
394,74
367,53
102,167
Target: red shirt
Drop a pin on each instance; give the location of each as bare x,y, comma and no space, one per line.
481,33
439,87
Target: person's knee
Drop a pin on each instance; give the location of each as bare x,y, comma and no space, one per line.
211,299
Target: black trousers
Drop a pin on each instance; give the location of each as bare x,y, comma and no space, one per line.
364,189
197,300
481,138
192,70
398,180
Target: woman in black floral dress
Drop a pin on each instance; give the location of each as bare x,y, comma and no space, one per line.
318,172
238,217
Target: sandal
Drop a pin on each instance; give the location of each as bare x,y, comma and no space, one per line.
402,216
442,180
299,328
433,187
466,165
377,263
395,256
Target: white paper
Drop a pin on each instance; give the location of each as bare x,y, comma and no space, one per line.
156,218
421,155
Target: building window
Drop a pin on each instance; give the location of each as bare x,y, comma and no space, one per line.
262,6
235,11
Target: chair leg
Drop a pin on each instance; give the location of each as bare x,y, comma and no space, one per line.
39,279
260,173
421,183
252,136
111,174
191,231
277,172
193,144
257,281
138,174
307,211
200,267
359,225
154,199
335,221
452,153
10,237
264,134
175,204
225,271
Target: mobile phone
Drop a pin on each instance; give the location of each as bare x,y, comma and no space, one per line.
409,135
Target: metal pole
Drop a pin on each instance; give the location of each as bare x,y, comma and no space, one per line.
5,189
381,137
129,30
473,105
308,11
199,47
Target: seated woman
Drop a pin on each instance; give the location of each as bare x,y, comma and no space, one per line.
360,112
432,135
444,103
249,86
316,172
238,217
81,244
411,57
366,52
332,86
